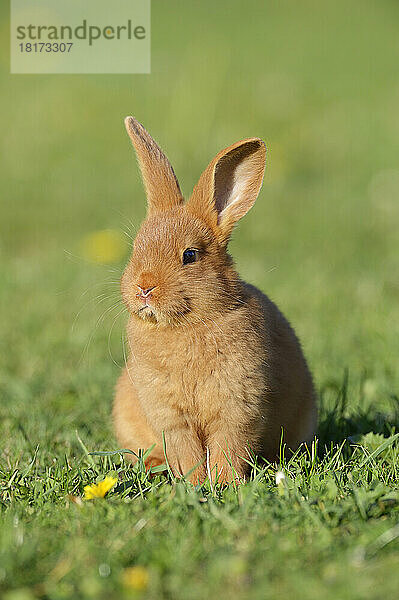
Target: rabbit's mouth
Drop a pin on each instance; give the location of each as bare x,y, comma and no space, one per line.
146,309
178,316
147,313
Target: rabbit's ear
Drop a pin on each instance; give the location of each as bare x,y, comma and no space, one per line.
229,186
160,182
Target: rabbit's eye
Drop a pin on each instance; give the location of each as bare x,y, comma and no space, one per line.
189,256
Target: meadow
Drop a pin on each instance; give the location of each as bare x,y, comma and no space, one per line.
319,82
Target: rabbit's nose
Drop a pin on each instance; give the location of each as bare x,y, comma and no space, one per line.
145,293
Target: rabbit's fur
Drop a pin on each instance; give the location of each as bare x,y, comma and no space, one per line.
214,367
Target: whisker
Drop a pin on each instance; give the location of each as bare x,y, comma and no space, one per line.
99,321
216,325
110,333
128,235
132,354
100,298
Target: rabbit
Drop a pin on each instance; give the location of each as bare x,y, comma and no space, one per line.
214,368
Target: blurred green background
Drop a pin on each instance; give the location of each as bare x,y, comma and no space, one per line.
318,81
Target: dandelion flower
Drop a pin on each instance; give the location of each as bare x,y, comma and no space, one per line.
98,490
105,246
135,578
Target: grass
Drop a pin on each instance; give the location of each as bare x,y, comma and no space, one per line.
328,529
319,83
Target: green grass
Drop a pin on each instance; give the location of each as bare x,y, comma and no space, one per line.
319,82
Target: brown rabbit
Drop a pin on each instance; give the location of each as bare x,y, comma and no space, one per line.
214,366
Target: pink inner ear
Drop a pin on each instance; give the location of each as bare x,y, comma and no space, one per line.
229,186
233,175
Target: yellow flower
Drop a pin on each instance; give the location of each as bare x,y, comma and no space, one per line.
104,246
135,578
98,490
